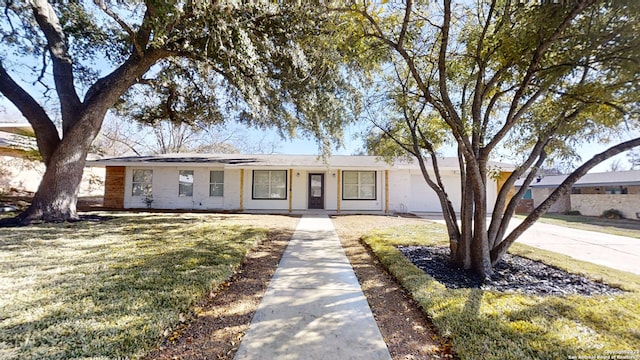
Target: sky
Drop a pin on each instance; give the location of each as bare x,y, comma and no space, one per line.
309,147
352,144
304,146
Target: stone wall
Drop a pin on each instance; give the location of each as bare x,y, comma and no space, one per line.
541,194
594,205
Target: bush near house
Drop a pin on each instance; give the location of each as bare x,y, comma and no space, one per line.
612,214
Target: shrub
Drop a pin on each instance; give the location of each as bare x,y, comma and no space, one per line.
573,212
612,214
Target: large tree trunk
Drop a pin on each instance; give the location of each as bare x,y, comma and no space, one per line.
57,193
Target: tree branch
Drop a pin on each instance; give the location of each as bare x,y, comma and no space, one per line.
561,190
46,132
62,64
132,34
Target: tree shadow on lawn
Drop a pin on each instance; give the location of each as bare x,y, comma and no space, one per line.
224,316
494,324
532,327
543,330
115,292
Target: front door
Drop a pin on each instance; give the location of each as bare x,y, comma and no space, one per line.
316,191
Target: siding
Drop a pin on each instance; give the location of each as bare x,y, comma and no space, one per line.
165,190
407,190
114,187
424,199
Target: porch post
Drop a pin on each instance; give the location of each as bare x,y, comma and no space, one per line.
386,191
339,190
241,189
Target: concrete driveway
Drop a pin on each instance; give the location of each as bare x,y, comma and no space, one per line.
618,252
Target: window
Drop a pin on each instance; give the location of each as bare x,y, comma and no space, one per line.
358,185
616,190
270,184
527,195
142,180
216,183
185,183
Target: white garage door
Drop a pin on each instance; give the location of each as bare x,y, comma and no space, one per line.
423,198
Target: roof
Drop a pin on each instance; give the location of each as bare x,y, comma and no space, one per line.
16,140
613,178
274,160
18,129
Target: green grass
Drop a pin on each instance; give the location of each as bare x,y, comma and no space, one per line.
621,227
494,325
110,289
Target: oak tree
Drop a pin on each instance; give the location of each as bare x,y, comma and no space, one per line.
264,64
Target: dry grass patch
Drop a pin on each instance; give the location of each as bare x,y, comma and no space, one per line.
109,289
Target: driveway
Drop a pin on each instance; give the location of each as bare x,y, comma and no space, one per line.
618,252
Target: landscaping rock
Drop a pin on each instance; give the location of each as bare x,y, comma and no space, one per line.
512,274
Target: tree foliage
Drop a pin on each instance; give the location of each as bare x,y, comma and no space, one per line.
534,79
267,65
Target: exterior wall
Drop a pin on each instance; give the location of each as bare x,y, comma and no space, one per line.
422,198
631,189
540,194
400,185
525,206
165,190
25,175
407,190
594,205
502,178
114,187
365,205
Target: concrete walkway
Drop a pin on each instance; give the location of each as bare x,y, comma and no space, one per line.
314,307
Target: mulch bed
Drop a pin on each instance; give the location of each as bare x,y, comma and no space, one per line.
512,274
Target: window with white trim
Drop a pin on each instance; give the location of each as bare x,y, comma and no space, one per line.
185,183
216,183
358,185
270,184
142,182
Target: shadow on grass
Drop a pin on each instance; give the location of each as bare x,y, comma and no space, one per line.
109,289
495,325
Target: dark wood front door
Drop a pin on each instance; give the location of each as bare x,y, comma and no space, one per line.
316,191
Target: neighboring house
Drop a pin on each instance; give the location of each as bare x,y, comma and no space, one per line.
591,195
276,182
21,168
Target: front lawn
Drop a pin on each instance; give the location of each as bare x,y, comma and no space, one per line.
495,325
113,289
